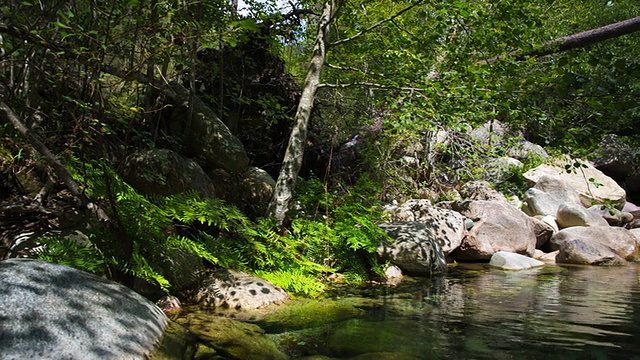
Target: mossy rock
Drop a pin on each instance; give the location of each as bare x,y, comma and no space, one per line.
358,338
385,356
302,314
231,338
177,343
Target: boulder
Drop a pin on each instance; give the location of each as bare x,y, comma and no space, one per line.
634,210
57,312
164,172
578,251
546,196
613,217
549,220
500,169
480,190
415,248
446,225
237,294
257,187
543,230
512,261
498,226
592,185
234,339
619,240
207,137
311,313
546,257
577,215
493,133
524,149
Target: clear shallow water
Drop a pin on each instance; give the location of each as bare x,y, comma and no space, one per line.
476,312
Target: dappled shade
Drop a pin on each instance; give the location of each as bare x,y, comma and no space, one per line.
56,312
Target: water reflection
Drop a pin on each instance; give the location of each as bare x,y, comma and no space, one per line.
476,312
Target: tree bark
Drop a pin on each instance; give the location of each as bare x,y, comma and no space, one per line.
285,185
578,40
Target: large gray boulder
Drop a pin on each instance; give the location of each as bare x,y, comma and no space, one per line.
415,249
621,241
578,251
498,226
592,185
165,172
547,195
577,215
207,138
52,311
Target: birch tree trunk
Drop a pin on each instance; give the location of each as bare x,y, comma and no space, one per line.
285,185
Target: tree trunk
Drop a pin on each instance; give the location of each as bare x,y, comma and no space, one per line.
283,193
579,40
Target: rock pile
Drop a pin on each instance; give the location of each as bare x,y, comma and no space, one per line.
564,217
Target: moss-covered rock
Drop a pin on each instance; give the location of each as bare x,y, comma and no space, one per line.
358,338
177,344
231,338
301,314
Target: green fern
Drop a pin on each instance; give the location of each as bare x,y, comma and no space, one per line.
295,281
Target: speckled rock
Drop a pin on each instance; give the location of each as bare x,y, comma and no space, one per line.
232,292
56,312
447,226
415,249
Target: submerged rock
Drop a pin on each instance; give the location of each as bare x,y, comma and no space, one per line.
56,312
303,314
231,338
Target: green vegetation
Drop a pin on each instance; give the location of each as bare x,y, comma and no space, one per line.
92,81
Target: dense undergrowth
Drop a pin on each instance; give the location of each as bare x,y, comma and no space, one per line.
331,233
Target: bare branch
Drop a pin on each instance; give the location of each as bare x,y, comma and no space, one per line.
349,68
371,85
378,24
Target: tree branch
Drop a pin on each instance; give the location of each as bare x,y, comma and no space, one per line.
370,85
349,68
576,41
58,168
378,24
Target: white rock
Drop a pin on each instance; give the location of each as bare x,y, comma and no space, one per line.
512,261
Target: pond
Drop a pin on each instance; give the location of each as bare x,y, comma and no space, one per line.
477,312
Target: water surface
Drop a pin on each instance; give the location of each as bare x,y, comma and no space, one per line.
477,312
